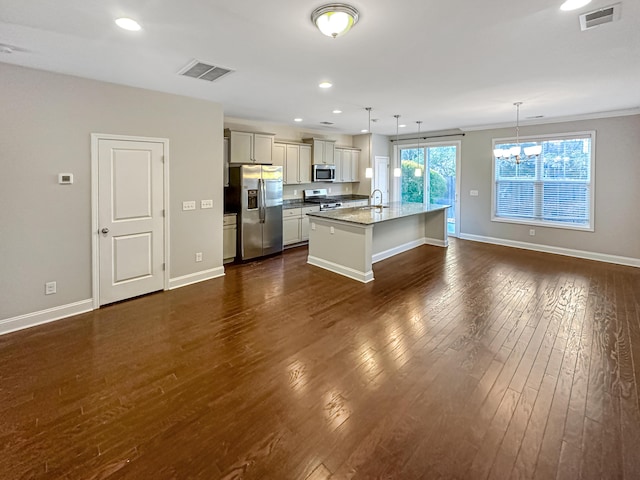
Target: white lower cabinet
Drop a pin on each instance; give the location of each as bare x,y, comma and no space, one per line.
229,230
295,224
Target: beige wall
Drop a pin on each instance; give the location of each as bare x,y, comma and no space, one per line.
45,126
617,195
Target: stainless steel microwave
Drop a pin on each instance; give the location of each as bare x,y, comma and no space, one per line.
323,173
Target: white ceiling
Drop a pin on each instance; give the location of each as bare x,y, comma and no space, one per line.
451,64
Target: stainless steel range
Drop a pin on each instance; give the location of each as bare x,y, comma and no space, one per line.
319,196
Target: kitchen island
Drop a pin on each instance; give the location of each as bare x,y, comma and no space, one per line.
349,241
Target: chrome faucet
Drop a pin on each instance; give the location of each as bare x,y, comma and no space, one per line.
373,194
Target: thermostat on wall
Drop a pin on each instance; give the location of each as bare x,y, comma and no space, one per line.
65,178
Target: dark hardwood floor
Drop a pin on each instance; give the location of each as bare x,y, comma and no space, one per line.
470,362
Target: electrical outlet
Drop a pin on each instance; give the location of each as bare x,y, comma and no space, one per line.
189,205
313,226
295,192
199,257
332,230
50,288
206,203
329,190
532,232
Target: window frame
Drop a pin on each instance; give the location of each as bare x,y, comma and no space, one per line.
542,138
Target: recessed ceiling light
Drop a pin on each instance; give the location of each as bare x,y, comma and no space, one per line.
573,4
297,119
401,126
128,24
325,85
337,111
364,130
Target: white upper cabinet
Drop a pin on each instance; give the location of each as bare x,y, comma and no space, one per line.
292,169
323,151
296,160
355,165
304,166
347,165
247,147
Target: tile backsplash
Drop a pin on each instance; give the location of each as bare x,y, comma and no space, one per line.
290,192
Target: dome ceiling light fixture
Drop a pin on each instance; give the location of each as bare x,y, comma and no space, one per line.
335,19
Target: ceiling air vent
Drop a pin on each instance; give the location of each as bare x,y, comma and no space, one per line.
326,123
204,71
598,17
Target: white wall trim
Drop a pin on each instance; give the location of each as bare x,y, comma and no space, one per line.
364,277
95,253
569,252
377,257
544,121
436,242
32,319
196,277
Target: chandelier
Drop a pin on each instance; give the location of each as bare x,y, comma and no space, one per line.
516,151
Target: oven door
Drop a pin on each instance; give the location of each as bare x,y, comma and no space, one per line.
324,173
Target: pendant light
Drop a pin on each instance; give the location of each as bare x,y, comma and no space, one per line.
368,172
397,172
418,171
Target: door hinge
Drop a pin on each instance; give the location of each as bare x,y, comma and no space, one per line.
163,267
162,158
162,212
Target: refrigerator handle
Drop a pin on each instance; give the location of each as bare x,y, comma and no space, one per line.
262,199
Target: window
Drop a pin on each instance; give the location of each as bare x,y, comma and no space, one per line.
553,189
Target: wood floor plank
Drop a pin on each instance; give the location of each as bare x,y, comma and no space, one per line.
475,361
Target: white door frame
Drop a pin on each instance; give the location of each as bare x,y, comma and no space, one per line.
95,251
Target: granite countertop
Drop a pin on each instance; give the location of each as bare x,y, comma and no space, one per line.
287,204
299,203
370,216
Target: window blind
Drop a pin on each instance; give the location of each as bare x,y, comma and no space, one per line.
553,188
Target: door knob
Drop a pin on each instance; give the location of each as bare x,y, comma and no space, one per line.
105,230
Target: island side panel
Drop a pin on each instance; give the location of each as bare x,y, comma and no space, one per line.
399,235
347,251
435,231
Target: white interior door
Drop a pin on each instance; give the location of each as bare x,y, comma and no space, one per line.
130,218
381,177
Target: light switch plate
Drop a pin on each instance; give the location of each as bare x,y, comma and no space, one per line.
189,205
206,203
473,193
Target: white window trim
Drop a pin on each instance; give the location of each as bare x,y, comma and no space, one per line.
539,138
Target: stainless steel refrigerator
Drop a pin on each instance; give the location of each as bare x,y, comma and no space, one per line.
255,194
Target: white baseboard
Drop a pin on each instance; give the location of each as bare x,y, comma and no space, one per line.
377,257
364,277
27,320
436,242
192,278
569,252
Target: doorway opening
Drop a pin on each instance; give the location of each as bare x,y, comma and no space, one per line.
430,175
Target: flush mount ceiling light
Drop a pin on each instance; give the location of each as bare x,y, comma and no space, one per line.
335,19
297,119
337,111
569,5
325,85
128,24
